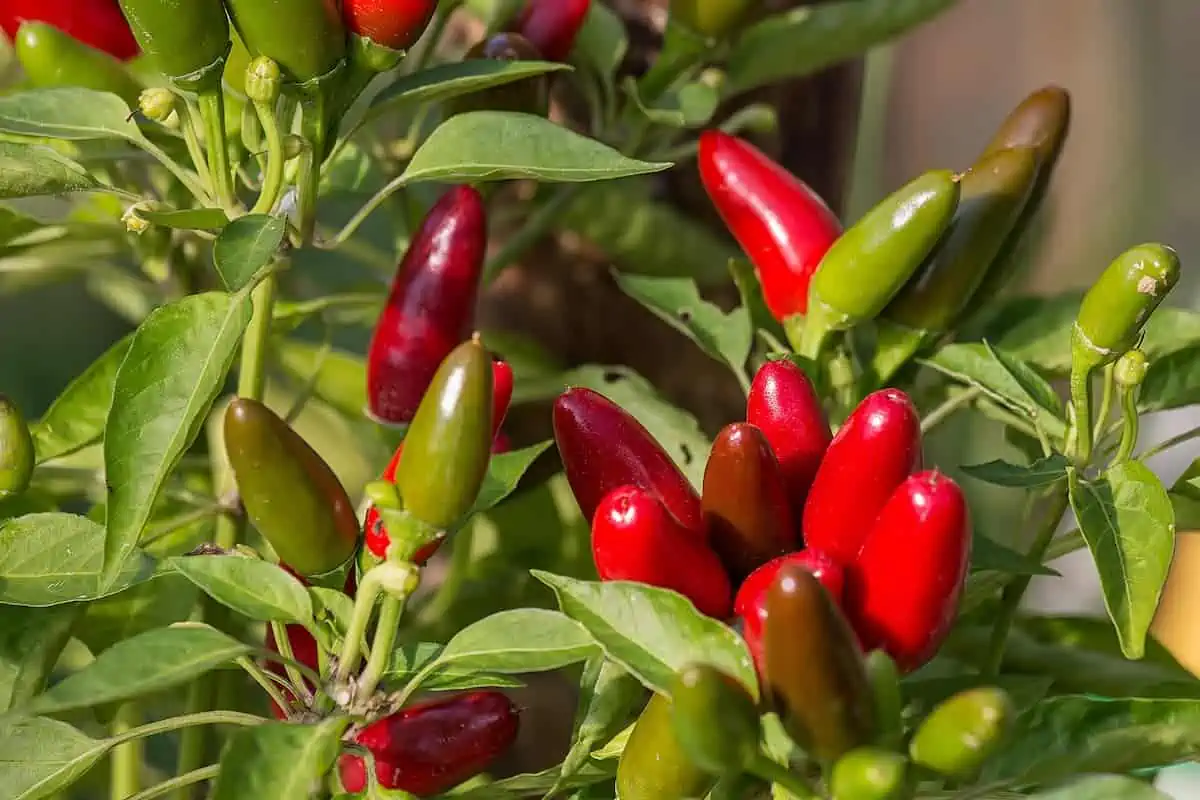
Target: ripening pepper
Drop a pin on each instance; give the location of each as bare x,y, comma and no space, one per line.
530,95
604,448
552,25
963,732
815,676
305,37
51,58
873,259
431,747
290,494
635,538
653,765
902,593
96,23
745,501
394,24
715,720
750,604
714,19
869,773
430,306
783,226
877,448
784,405
16,450
188,40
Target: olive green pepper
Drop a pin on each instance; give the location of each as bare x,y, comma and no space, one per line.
871,262
963,732
290,494
306,37
187,40
714,19
448,444
653,765
869,773
16,450
51,59
889,704
814,672
530,96
716,721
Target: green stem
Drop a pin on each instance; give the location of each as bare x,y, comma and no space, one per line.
1010,599
364,606
313,122
536,226
1106,399
253,374
186,722
187,122
948,408
273,175
190,180
680,52
193,742
768,770
1081,406
126,774
1167,444
1129,424
212,112
390,612
367,209
180,782
284,645
262,680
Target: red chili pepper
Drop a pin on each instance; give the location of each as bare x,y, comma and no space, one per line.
872,454
392,23
785,407
745,501
750,604
783,226
430,307
98,23
604,448
552,25
430,747
902,593
304,650
635,538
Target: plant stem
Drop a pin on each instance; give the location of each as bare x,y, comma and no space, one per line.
1081,405
948,408
180,782
193,742
1105,402
253,374
533,229
390,612
212,112
189,126
1174,441
126,775
313,123
364,605
768,770
1129,424
185,722
262,680
190,180
284,645
272,185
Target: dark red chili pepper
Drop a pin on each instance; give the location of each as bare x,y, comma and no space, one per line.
750,604
745,501
430,747
635,538
396,24
872,454
97,23
902,593
783,226
304,650
785,407
430,307
604,448
552,25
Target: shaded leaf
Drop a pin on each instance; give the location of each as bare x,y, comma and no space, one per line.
40,756
1172,382
1043,472
30,642
245,246
76,418
504,474
278,760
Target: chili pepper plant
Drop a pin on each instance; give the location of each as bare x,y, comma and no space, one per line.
275,542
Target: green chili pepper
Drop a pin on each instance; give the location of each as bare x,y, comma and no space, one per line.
16,450
871,262
290,494
51,58
306,37
716,721
653,765
187,40
869,773
889,704
449,442
962,733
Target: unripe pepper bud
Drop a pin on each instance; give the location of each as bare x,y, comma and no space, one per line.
157,104
395,24
53,59
714,19
16,450
869,773
653,765
962,733
715,720
294,146
1131,369
98,24
529,96
552,25
874,451
187,40
264,81
305,37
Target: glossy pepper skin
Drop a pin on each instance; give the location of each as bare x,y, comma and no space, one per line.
430,306
396,24
815,675
305,37
745,501
96,23
877,448
714,19
635,538
902,593
529,96
552,25
188,40
51,58
654,766
16,450
783,226
430,747
715,720
290,494
784,405
604,448
962,733
869,773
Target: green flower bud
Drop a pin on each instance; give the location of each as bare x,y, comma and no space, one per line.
264,81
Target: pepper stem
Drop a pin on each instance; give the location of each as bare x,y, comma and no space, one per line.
313,124
1081,408
273,175
212,112
768,770
1129,424
356,632
126,757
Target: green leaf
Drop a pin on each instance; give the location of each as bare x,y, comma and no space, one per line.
521,787
1037,390
804,40
608,698
408,660
150,662
68,113
167,599
32,170
30,642
692,106
445,81
255,589
187,219
602,42
1043,472
1103,787
1172,382
176,364
522,640
1127,520
504,475
51,558
361,309
340,377
651,632
989,555
677,301
504,145
751,292
40,756
278,760
76,418
245,246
